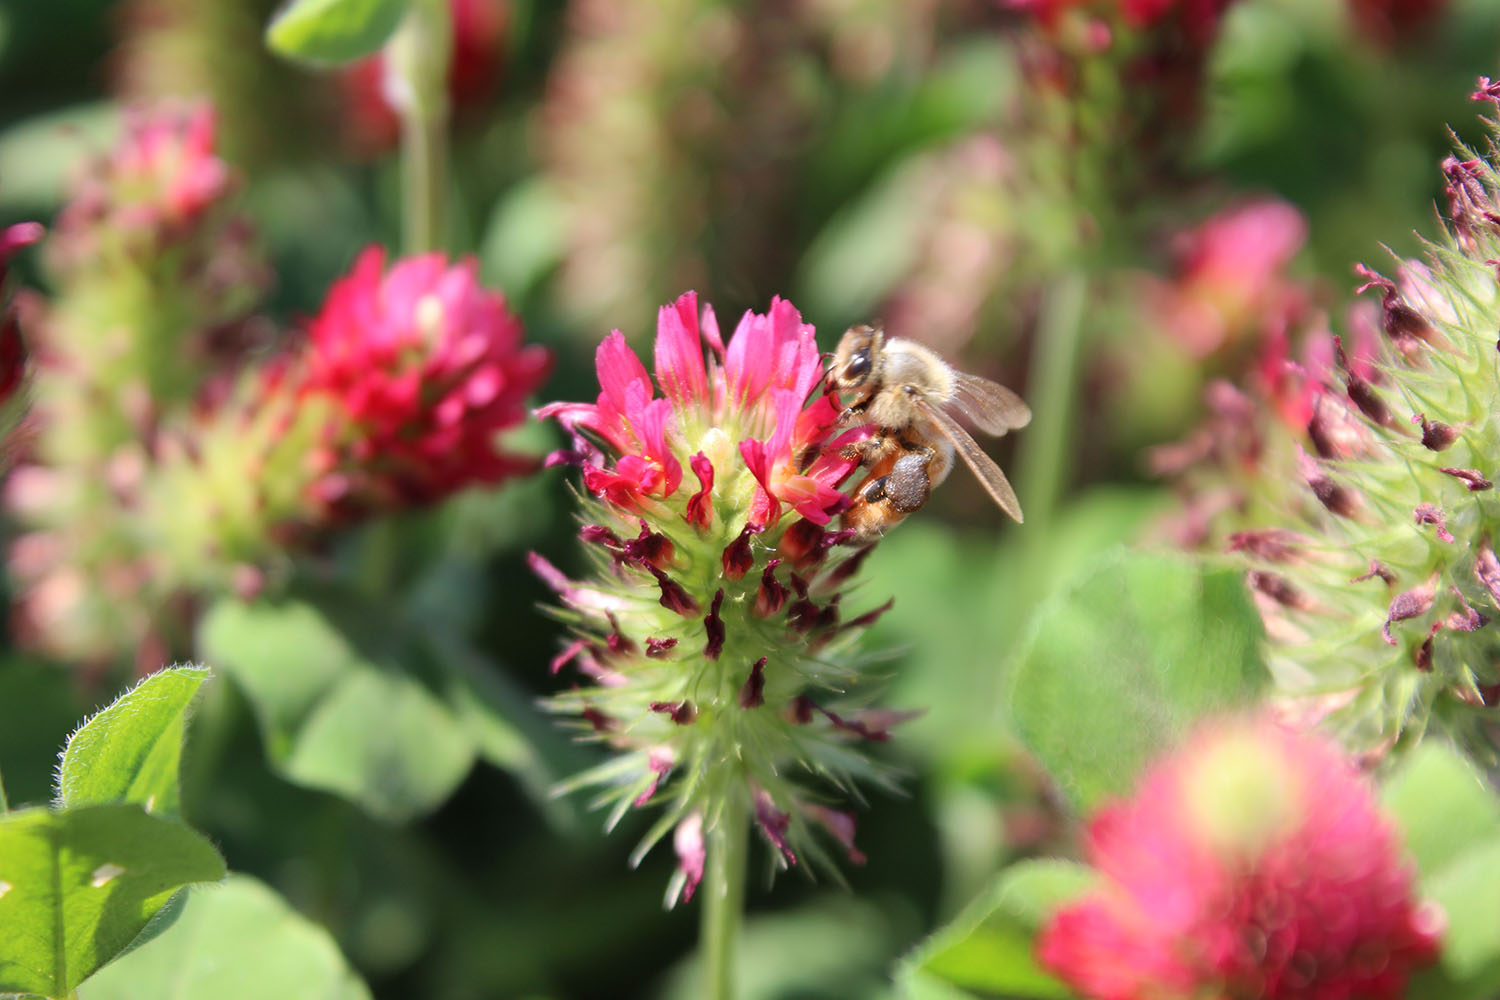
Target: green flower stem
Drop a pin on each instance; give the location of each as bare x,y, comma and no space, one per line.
419,54
723,897
1044,459
4,802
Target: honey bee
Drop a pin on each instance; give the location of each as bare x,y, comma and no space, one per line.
905,390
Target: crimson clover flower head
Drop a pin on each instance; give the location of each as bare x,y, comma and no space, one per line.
1251,862
161,201
162,178
711,643
421,368
1381,613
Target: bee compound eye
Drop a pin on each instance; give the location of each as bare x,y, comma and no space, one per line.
859,365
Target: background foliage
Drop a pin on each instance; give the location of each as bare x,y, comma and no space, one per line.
827,151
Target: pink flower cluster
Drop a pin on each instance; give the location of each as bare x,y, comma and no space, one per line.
709,640
753,390
424,367
1230,277
1254,863
162,178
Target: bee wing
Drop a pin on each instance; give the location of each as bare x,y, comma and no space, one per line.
983,467
993,408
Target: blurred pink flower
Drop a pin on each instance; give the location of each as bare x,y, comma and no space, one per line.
1230,275
479,29
161,202
1254,862
425,367
162,177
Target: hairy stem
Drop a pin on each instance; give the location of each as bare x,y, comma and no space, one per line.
723,898
419,54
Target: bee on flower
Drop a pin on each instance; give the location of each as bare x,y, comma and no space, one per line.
711,643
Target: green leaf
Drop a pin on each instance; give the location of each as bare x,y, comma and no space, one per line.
1451,823
78,887
524,239
333,31
334,715
1115,668
219,946
130,751
507,730
987,951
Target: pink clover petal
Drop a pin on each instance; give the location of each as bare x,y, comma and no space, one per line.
679,353
687,841
700,506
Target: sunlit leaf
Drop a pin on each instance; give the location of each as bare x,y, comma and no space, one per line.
78,887
130,751
1451,823
333,31
334,716
218,947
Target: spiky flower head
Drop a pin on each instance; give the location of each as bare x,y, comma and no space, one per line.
154,271
1368,523
710,643
1252,862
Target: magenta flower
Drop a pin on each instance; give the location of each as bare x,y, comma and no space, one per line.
162,178
423,368
1252,863
159,207
753,391
709,644
1230,279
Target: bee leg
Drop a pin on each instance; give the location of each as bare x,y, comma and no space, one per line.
908,484
866,452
